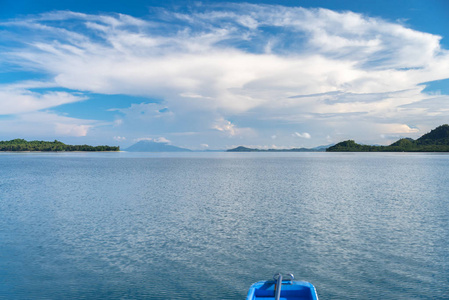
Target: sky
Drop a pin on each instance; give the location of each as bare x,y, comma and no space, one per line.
219,74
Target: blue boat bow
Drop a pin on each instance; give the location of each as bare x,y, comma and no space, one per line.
281,289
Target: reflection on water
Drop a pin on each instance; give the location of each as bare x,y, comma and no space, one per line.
207,225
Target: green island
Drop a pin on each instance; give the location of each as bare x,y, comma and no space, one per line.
436,140
23,145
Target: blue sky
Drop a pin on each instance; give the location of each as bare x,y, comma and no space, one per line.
216,74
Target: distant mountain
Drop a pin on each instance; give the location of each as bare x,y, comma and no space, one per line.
242,149
245,149
209,150
151,146
436,140
322,148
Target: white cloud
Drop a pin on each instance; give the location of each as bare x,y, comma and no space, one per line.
225,126
143,139
232,130
304,135
161,140
118,122
156,140
14,100
217,64
71,129
119,138
46,125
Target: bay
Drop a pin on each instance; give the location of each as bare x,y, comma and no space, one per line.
207,225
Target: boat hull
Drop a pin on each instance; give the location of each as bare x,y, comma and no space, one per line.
293,290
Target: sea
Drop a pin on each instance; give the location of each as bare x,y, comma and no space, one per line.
207,225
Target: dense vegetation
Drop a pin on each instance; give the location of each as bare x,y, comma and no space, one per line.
435,141
23,145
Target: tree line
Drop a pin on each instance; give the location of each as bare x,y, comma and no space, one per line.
23,145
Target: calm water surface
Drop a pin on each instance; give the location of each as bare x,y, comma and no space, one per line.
207,225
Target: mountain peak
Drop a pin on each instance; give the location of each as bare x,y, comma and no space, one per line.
440,133
152,146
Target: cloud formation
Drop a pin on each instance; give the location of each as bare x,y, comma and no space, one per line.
304,135
19,100
239,70
46,125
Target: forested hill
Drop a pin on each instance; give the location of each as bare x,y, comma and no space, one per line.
438,136
436,140
23,145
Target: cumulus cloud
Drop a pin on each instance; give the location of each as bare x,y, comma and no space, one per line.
304,135
231,129
71,129
119,138
161,140
225,126
253,64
